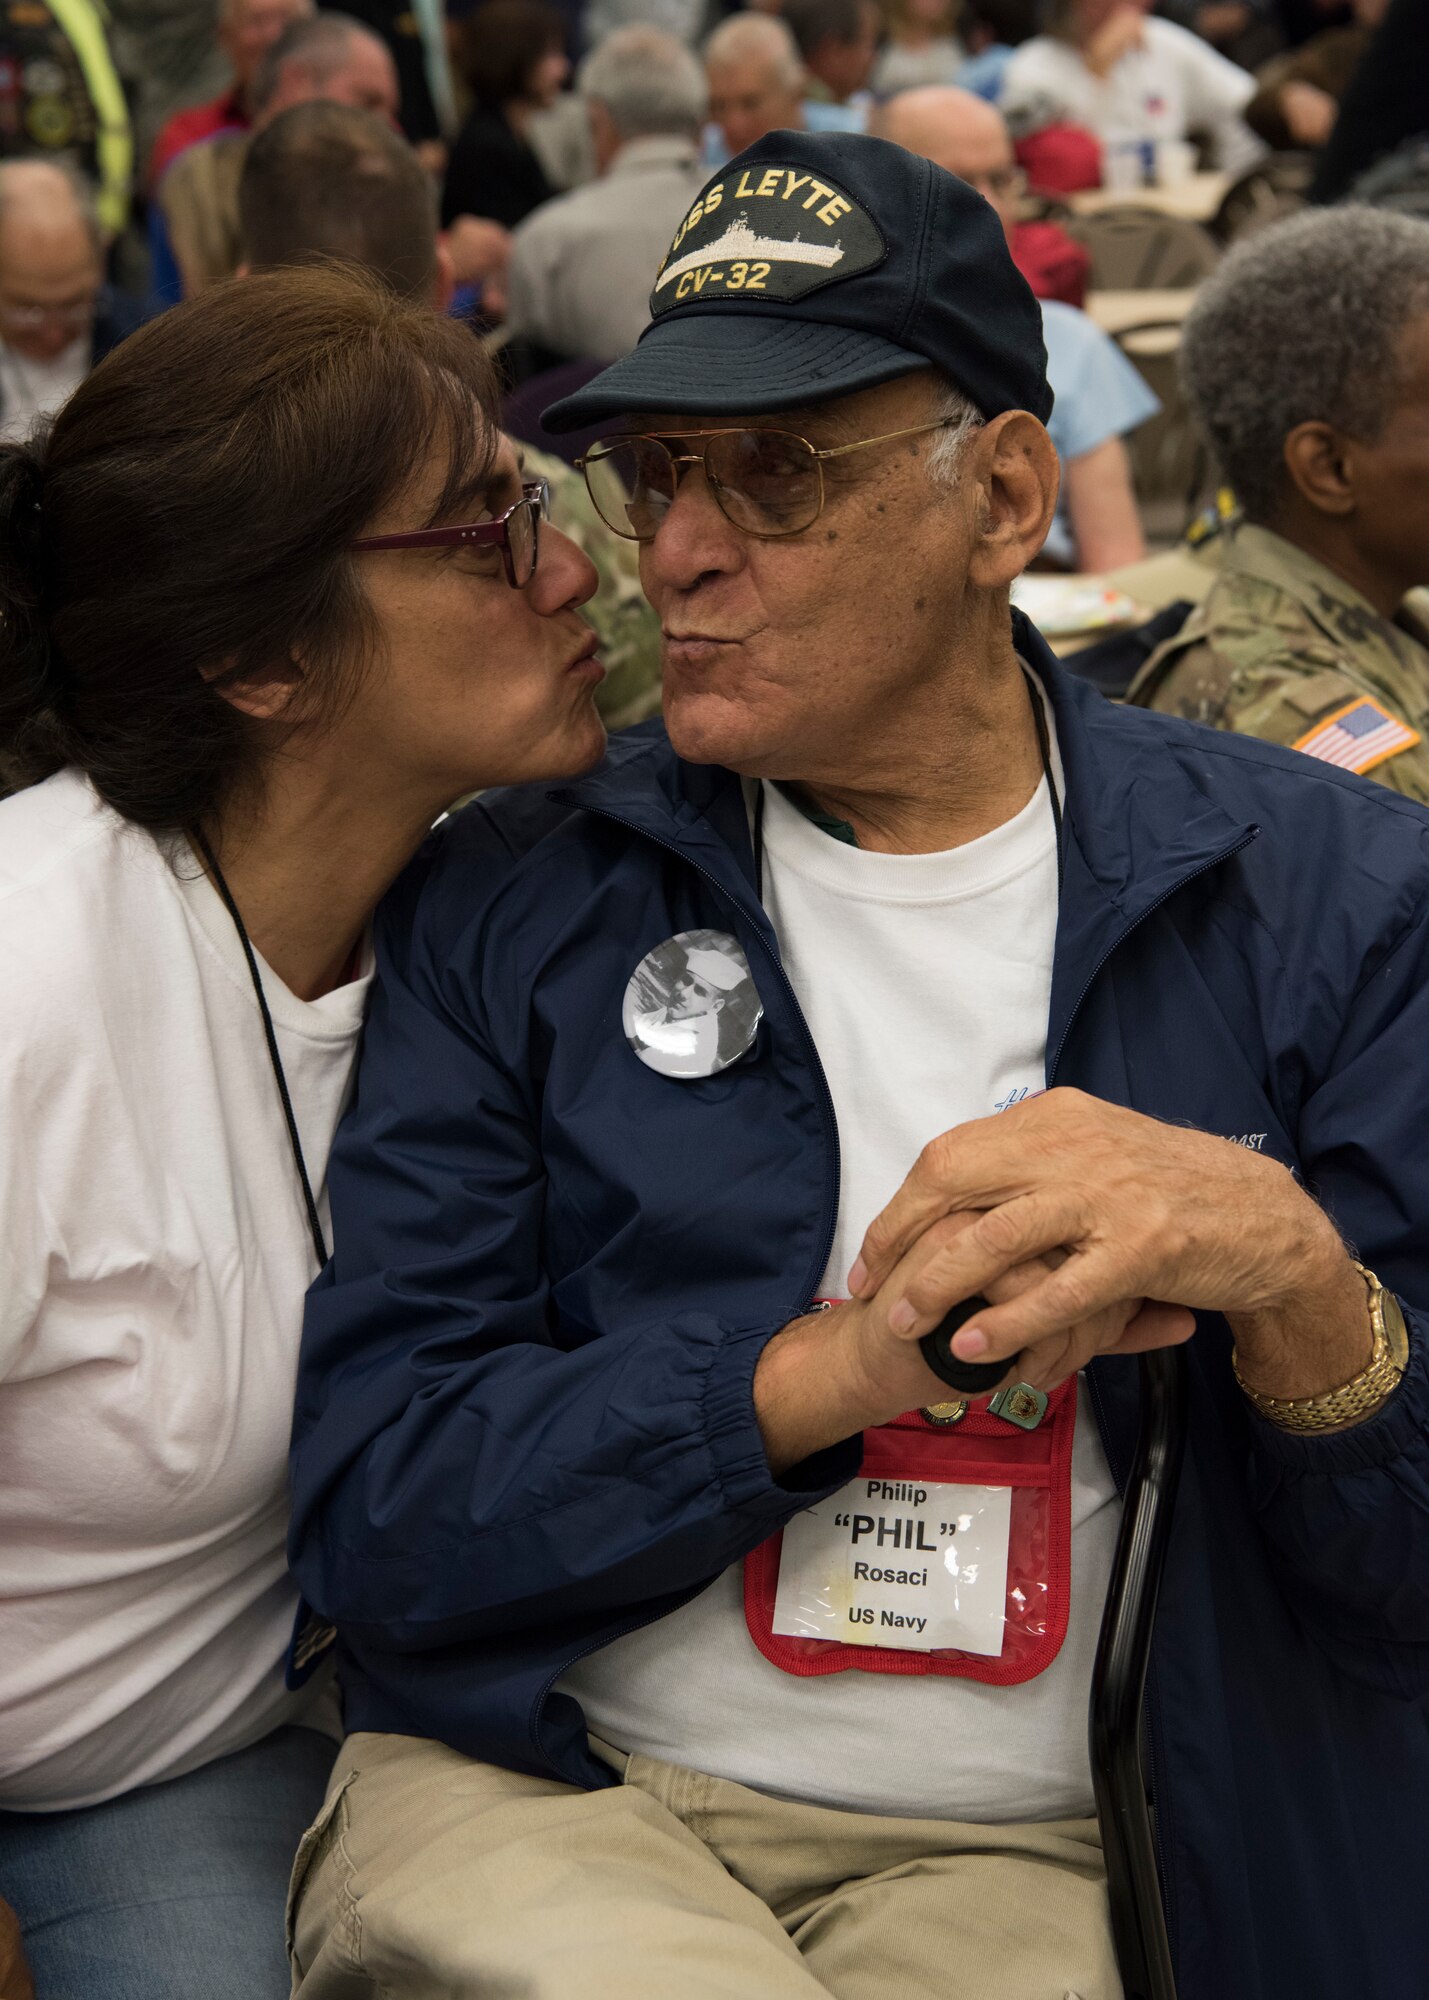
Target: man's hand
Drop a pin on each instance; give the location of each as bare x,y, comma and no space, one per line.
845,1370
1143,1211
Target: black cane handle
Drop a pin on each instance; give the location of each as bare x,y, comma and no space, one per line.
969,1378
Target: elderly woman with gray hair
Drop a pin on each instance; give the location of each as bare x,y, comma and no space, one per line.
1305,637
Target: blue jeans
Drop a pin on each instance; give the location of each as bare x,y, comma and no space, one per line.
174,1891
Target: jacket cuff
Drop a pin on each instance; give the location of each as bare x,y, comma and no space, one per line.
736,1443
1402,1423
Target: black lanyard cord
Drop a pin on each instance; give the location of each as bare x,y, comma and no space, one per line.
759,840
1039,718
315,1227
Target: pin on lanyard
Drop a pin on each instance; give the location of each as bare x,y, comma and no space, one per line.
315,1228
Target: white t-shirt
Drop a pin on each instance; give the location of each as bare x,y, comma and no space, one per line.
31,388
925,979
1175,84
154,1254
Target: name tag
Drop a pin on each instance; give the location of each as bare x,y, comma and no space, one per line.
949,1554
910,1564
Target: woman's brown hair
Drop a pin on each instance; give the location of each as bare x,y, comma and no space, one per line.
500,43
184,526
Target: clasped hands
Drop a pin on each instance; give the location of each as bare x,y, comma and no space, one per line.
1091,1230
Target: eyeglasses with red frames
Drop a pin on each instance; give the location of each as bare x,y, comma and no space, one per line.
516,533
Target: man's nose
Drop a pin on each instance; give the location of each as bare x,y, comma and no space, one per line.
694,539
564,577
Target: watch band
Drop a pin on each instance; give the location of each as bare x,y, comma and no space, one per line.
1356,1399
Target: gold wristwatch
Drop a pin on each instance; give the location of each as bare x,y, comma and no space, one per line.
1338,1408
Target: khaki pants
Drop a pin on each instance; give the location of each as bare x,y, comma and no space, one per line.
428,1876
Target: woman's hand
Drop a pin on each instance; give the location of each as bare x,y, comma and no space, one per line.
1309,113
15,1981
479,250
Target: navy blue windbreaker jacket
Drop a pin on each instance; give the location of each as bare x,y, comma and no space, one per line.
524,1421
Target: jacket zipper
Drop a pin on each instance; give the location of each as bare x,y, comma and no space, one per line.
1119,1469
831,1218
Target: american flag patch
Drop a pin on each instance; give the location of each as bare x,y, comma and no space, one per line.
1357,737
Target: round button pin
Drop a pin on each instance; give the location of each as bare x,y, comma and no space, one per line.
691,1007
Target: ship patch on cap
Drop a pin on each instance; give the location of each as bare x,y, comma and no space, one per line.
774,232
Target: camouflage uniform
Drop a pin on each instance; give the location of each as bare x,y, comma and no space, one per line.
629,630
1282,648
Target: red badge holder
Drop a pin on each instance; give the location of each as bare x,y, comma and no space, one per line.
980,1450
1134,1890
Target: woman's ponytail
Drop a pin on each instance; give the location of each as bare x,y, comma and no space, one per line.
32,677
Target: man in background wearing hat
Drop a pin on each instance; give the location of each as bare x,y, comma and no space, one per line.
695,1640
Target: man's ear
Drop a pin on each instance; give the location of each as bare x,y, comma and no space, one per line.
1012,471
1321,467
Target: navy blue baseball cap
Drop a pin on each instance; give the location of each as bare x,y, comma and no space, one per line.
818,263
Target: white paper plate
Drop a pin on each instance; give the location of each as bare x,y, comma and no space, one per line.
1062,605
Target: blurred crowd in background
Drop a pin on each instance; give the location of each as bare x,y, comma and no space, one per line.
525,162
1222,207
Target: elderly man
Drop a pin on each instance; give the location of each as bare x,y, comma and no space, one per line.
695,1641
247,29
57,316
1100,397
1305,637
756,80
580,266
193,219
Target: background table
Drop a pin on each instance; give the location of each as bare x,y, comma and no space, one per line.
1116,312
1196,199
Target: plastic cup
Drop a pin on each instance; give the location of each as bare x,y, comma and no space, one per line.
1175,161
1122,166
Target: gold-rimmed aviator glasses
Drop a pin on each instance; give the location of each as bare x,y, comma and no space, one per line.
769,483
